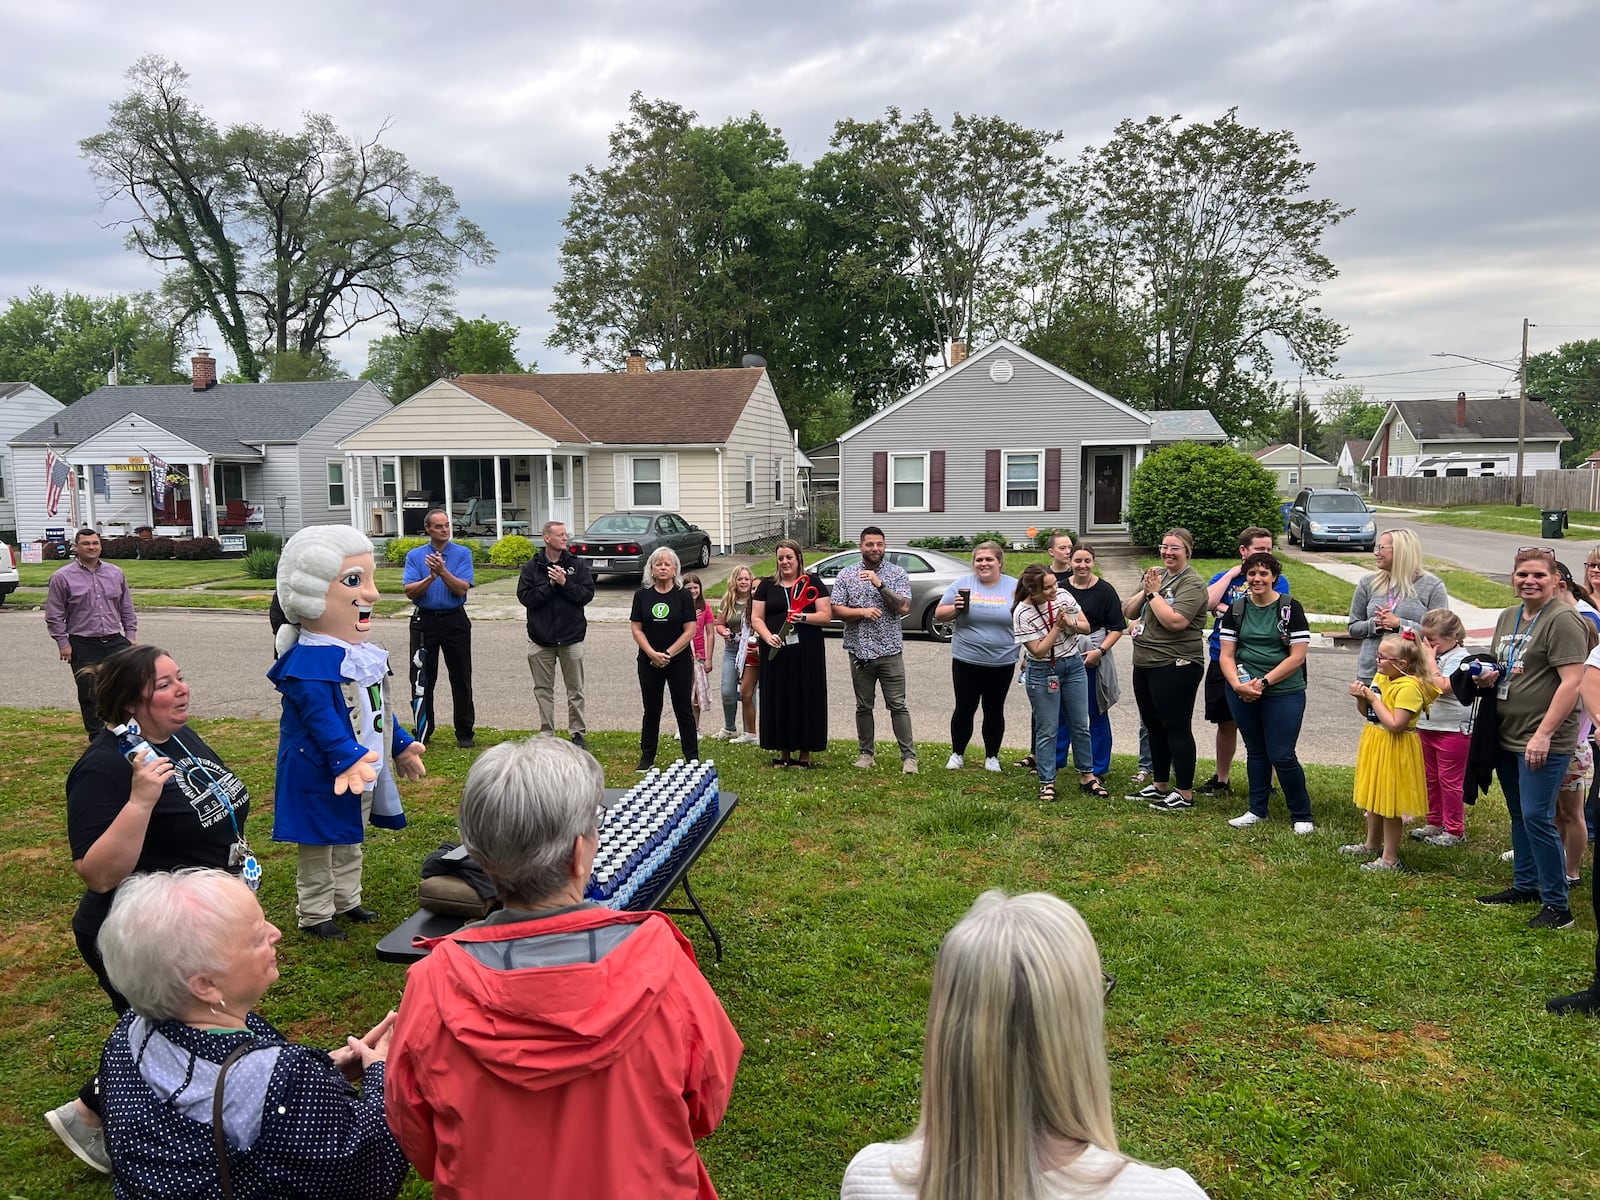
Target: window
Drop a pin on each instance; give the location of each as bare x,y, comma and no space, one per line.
646,483
749,480
336,491
914,564
908,483
389,486
777,480
1293,476
558,477
1021,475
2,478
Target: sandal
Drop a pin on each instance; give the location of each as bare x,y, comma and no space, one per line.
783,762
1047,793
1030,764
1094,788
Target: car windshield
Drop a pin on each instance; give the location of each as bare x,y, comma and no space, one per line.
620,525
1336,504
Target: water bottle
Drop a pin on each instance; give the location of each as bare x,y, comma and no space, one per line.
1244,675
1477,667
134,748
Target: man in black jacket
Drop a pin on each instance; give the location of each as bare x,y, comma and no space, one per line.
554,587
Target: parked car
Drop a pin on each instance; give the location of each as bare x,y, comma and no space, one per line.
930,572
9,578
1330,517
620,543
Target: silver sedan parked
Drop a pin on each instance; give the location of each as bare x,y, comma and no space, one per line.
930,571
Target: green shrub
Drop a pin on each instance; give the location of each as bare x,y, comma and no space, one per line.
958,542
157,547
260,539
397,549
195,548
480,552
827,526
511,551
261,564
1041,539
1212,491
990,535
119,547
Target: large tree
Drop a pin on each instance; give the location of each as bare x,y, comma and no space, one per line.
285,241
1568,380
69,344
1192,253
403,364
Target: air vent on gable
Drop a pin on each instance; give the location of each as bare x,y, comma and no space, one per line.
1000,370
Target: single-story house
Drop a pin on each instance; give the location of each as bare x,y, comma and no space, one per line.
22,405
1464,438
1296,468
1352,466
194,459
1002,440
506,453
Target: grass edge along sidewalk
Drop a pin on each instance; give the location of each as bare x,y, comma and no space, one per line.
1284,1025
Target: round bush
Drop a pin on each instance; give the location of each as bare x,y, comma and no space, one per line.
511,551
402,546
261,564
1212,491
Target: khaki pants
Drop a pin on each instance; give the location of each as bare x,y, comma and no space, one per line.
542,663
327,879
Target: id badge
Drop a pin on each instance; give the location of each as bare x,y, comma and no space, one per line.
1053,685
1503,689
242,860
793,638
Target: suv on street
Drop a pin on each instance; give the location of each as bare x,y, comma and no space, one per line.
1330,517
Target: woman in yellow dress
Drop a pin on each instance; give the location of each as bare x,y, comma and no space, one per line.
1390,781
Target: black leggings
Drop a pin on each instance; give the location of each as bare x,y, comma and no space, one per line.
975,684
678,678
1165,696
86,924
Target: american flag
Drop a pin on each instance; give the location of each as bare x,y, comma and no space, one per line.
57,472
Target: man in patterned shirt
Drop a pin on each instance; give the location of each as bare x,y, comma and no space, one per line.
870,598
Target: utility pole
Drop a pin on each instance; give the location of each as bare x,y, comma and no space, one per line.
1300,428
1522,409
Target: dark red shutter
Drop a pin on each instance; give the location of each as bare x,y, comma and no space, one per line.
936,481
991,481
880,481
1052,481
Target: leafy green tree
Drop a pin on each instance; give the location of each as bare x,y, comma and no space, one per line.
1347,415
1568,380
68,344
1212,491
300,366
404,364
285,241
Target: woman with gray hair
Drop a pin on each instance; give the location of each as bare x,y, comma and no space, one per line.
1016,1090
663,622
583,1038
202,1096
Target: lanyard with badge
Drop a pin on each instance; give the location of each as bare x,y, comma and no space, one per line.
1516,651
240,857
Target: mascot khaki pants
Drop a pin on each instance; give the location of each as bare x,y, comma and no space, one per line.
328,878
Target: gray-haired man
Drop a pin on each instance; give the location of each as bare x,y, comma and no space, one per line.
554,587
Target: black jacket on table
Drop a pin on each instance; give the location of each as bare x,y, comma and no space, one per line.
555,614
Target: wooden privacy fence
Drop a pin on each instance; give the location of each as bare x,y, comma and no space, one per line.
1576,490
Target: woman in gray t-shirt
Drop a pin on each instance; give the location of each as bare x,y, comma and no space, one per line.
983,654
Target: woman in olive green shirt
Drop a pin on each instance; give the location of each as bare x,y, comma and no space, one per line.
1169,661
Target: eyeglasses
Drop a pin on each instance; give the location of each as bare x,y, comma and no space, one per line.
1172,549
1536,551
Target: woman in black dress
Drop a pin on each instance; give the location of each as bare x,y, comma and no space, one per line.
794,669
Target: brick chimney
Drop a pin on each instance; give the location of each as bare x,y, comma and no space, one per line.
636,364
1461,410
203,368
958,353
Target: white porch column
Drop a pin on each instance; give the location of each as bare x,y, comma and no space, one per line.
399,493
197,495
585,524
358,499
549,490
88,497
499,513
209,473
449,508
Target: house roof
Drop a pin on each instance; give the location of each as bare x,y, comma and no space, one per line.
11,389
618,408
1185,425
1356,448
1487,420
221,420
1315,460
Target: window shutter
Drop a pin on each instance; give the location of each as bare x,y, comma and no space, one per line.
669,481
936,481
1052,481
622,494
880,481
991,481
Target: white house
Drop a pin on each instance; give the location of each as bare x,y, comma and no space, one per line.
1297,468
505,453
22,405
1464,438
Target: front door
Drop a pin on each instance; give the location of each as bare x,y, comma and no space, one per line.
1105,473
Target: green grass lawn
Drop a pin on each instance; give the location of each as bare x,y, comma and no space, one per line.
1508,518
1284,1025
158,573
1316,590
1462,585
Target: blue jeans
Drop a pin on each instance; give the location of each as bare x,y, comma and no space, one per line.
1045,701
1099,759
1538,862
1072,715
731,653
1270,728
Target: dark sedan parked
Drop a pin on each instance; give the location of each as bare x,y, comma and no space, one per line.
620,543
930,572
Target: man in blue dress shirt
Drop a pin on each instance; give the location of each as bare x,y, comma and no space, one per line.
437,578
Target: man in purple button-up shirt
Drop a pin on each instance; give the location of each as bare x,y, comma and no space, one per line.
89,613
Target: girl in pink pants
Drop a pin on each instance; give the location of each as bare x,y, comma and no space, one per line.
1445,729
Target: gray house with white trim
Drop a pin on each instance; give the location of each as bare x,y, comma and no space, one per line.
1002,440
22,405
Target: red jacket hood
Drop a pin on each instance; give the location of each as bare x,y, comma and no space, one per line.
578,1020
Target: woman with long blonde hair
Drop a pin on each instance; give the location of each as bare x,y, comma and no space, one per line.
1016,1090
733,625
1393,598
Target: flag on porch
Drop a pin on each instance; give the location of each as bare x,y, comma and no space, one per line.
56,473
158,481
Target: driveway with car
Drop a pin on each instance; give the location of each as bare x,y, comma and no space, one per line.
620,543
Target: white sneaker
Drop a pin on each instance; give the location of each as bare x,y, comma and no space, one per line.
723,735
87,1141
1508,856
1245,820
908,766
745,739
1304,827
865,762
953,763
992,764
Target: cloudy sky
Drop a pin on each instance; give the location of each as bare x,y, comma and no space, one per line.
1461,133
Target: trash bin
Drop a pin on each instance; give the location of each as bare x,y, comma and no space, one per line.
1554,522
1284,509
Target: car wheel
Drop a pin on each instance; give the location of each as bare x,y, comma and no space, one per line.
939,631
1288,533
705,555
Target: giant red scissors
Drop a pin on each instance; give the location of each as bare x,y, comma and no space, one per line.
797,604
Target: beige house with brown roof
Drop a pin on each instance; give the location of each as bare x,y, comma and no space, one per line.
506,453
